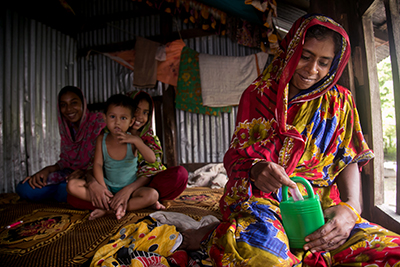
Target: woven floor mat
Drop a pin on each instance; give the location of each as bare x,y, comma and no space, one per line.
56,234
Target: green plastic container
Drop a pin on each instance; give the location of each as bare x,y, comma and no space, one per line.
303,217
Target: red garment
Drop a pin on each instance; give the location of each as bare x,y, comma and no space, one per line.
169,184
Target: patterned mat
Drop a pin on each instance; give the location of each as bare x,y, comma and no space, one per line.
55,234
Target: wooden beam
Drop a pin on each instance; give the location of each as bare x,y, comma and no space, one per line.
326,7
381,34
103,21
130,44
157,100
366,7
170,138
376,187
393,22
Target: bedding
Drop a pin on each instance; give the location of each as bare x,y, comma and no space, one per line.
56,234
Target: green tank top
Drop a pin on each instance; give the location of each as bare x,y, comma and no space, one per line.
119,173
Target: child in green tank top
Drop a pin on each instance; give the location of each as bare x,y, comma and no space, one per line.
115,163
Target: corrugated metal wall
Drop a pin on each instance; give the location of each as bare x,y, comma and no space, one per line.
37,62
202,138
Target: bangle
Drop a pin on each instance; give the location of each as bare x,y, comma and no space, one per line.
350,207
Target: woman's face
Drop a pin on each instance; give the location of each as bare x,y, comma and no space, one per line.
141,114
315,62
71,107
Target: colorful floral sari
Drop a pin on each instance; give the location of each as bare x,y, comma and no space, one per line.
315,135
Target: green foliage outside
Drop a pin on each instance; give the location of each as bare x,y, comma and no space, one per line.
388,111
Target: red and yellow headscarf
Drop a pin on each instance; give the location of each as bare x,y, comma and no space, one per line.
315,135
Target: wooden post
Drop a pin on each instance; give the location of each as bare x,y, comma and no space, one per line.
393,22
170,139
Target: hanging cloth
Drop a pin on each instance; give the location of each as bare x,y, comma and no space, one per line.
145,73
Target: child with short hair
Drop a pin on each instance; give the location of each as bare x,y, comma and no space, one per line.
115,163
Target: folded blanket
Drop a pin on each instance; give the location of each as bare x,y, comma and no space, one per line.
181,221
212,175
223,79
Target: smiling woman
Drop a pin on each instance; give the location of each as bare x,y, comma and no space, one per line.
78,130
295,120
168,182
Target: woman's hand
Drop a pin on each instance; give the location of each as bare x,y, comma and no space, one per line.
269,176
334,233
39,179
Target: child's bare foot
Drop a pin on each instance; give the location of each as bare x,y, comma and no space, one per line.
157,206
97,213
192,237
120,212
166,203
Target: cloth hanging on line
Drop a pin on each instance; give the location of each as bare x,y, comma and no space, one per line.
168,70
223,79
145,73
188,91
125,58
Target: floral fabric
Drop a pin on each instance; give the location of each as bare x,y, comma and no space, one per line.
188,96
144,243
314,135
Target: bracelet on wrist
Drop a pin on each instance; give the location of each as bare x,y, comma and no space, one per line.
350,207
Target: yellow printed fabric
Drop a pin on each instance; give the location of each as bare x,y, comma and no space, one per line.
140,244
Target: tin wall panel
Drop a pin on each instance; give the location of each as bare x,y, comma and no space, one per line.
202,138
37,62
205,138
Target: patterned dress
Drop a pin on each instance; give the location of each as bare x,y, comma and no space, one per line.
314,135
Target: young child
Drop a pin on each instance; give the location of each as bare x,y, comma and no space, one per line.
115,163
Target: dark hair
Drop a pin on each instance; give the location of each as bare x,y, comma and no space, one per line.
144,96
320,32
71,89
121,100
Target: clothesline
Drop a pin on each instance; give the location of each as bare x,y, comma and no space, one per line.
205,84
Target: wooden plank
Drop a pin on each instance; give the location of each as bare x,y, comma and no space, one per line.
367,7
376,189
169,119
130,44
387,217
158,119
393,18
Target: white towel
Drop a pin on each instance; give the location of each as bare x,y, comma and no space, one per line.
212,175
181,221
223,79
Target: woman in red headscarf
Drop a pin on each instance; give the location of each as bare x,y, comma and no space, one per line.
295,120
78,131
